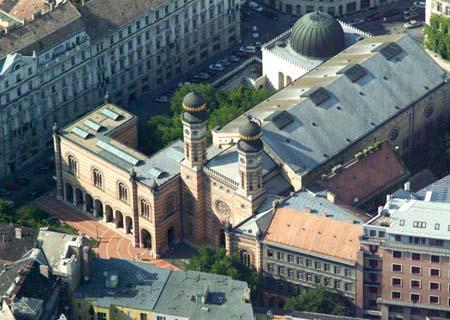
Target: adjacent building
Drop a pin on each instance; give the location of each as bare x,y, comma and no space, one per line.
120,288
38,285
436,7
409,241
57,60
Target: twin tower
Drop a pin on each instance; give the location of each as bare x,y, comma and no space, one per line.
250,146
204,220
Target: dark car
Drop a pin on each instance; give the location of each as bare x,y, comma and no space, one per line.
392,12
270,15
375,17
22,181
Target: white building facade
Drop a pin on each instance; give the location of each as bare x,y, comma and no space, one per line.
60,62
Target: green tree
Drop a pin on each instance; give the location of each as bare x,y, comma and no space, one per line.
162,130
218,262
31,216
319,299
437,36
7,212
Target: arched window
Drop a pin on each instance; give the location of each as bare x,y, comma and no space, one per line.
246,259
72,165
170,204
97,178
145,209
123,192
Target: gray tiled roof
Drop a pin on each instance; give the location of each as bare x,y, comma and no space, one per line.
364,105
176,298
145,287
139,286
440,190
320,205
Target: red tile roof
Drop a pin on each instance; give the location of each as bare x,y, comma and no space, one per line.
359,180
315,234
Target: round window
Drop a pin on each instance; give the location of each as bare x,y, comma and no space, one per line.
428,111
223,208
186,131
394,133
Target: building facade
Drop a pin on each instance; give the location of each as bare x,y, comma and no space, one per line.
57,62
436,7
410,244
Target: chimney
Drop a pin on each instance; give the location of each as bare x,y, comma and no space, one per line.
388,197
380,210
18,233
307,210
44,270
86,263
331,197
407,186
246,294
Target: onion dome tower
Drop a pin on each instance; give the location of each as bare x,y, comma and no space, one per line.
195,120
250,150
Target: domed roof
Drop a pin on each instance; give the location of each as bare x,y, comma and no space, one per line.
317,35
194,108
193,102
250,130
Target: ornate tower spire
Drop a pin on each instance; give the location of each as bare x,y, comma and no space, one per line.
250,149
194,119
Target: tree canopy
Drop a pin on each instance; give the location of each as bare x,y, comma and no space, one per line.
319,299
161,130
437,35
218,262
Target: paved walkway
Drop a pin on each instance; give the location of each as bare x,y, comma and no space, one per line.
111,244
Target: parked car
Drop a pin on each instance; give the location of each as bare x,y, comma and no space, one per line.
412,24
234,58
162,99
216,66
223,62
22,181
391,13
270,15
245,13
410,9
411,15
248,49
255,35
255,6
258,44
420,4
374,17
202,75
12,186
4,192
356,22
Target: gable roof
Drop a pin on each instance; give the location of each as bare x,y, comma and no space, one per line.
356,182
356,108
317,235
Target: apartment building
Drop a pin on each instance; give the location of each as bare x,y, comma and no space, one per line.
410,238
302,250
301,7
57,61
436,7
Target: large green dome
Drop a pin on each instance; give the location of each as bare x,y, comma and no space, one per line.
317,35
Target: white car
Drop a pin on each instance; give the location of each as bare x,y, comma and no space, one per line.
216,67
412,24
248,49
162,99
255,29
202,75
420,4
255,6
187,83
255,35
234,58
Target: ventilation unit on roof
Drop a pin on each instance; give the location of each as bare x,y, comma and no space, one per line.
280,119
353,72
80,132
93,125
388,49
117,152
317,95
110,114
